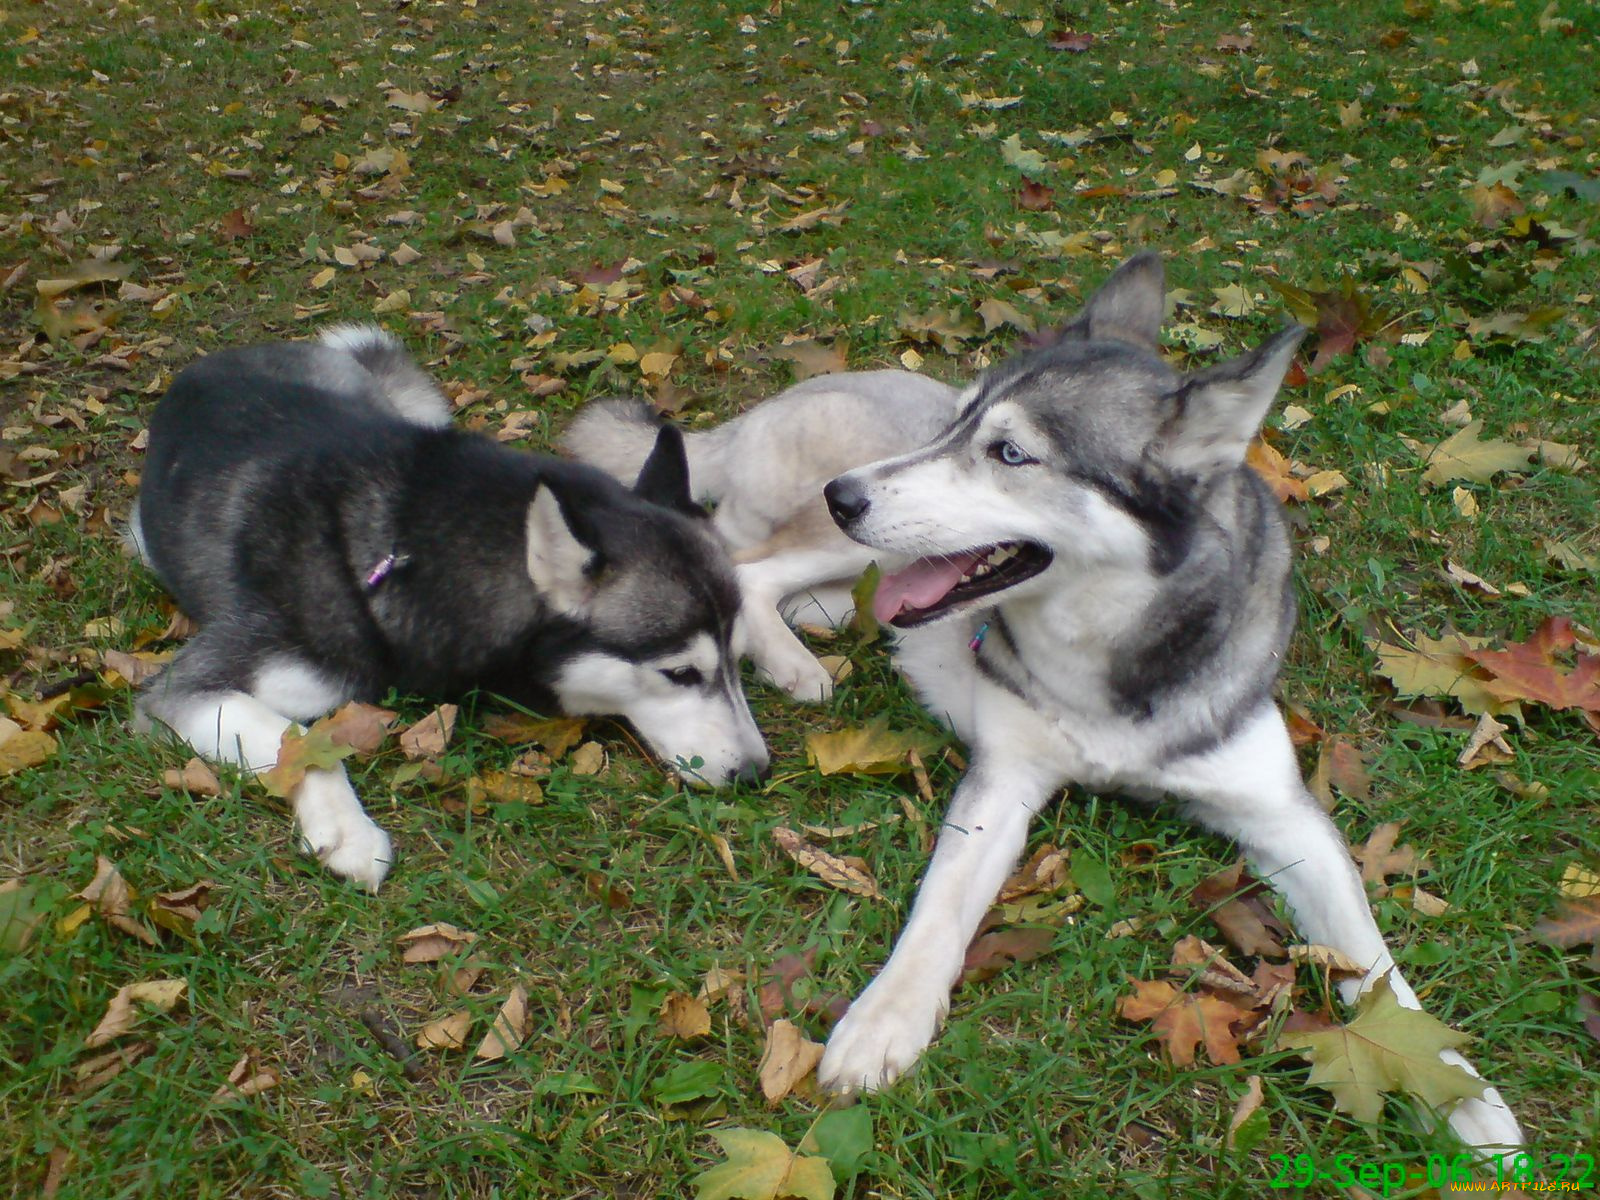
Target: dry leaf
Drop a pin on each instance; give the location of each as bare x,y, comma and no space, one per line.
1185,1021
554,735
430,943
718,982
1335,961
1380,857
1463,455
1486,746
448,1032
835,872
683,1016
429,736
196,778
22,748
872,749
510,1026
160,994
1246,1108
246,1080
587,759
113,900
787,1058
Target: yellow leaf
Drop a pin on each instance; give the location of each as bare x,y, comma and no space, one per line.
833,871
1385,1049
160,994
510,1026
873,749
587,759
1463,455
684,1016
448,1032
761,1166
787,1058
323,277
22,748
1578,881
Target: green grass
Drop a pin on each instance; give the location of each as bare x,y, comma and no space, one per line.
145,126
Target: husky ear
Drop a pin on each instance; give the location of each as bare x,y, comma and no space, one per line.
1127,308
1220,409
664,478
558,563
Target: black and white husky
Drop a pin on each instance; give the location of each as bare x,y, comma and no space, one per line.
1091,587
310,505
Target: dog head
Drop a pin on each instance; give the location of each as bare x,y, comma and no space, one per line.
1086,451
654,599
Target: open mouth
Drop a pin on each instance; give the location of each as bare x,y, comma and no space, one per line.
931,586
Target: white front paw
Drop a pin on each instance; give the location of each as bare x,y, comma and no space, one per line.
335,830
884,1032
799,674
1483,1122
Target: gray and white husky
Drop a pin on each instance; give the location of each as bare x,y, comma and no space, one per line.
1091,587
310,505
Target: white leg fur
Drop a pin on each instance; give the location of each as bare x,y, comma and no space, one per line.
234,727
763,635
1250,789
891,1023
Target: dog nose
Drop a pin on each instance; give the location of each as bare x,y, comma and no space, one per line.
753,773
846,501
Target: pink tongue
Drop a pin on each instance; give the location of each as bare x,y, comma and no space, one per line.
922,583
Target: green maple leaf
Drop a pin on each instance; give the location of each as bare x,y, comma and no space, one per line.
355,728
1386,1049
761,1166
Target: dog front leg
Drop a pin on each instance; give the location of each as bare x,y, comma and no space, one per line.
1250,789
890,1023
236,728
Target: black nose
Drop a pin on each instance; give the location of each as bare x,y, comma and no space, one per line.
846,501
753,774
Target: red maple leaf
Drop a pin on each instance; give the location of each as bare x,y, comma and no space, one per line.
1535,670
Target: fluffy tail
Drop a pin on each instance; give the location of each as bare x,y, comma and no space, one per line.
401,384
617,435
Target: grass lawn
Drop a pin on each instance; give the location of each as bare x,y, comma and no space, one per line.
551,201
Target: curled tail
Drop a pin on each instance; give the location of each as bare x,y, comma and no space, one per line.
617,435
402,385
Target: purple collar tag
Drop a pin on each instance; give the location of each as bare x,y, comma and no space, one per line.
385,566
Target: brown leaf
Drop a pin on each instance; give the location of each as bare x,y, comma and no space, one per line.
810,357
1184,1021
1033,196
1535,670
1070,40
429,736
430,943
510,1026
1380,858
235,224
23,748
94,1073
196,778
113,900
776,993
1347,770
448,1032
683,1016
833,871
718,982
179,910
554,735
787,1058
991,953
1245,1109
1574,923
1486,746
246,1080
136,668
1044,872
1238,911
121,1013
1274,468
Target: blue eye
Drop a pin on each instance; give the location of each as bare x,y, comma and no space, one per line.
1009,453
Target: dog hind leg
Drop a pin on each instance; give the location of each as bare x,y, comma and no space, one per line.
1250,790
765,584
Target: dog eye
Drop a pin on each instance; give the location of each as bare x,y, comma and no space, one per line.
1009,453
684,676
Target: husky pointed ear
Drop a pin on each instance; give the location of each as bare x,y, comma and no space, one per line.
560,565
1127,308
664,478
1219,410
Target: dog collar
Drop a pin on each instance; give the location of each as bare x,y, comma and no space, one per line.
384,567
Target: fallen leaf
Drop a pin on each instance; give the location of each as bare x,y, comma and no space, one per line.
1232,898
1380,858
448,1032
996,313
113,900
683,1016
587,759
1441,667
179,910
20,914
1577,882
872,749
811,358
351,729
1347,769
991,953
1245,1109
94,1073
23,748
761,1166
555,735
1534,670
1385,1049
1575,922
246,1080
510,1026
121,1013
1335,962
1464,455
1184,1021
430,943
1044,872
137,668
1273,467
429,736
833,871
718,982
1486,746
787,1058
1458,574
196,778
1035,197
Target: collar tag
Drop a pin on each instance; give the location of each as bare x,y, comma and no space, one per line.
977,638
386,566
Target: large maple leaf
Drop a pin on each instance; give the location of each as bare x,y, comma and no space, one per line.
1386,1049
1533,670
